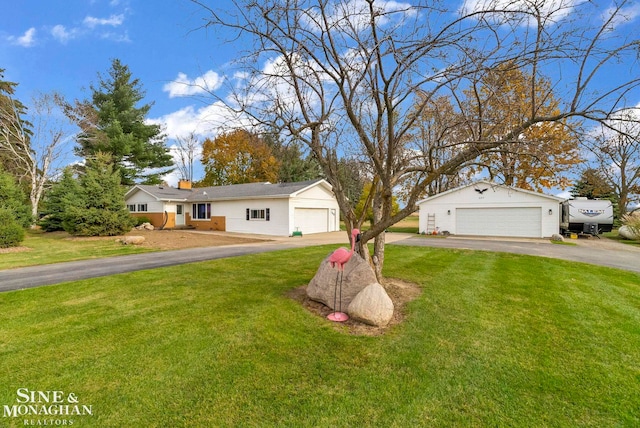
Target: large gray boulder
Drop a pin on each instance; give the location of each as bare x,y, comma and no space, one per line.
627,233
557,237
132,240
357,275
372,306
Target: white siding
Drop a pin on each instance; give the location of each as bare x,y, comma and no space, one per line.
153,205
236,217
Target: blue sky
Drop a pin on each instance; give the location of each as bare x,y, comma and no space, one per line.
62,45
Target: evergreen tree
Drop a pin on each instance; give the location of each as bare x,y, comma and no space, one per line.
592,184
12,112
99,208
14,200
11,233
294,165
112,123
351,179
57,200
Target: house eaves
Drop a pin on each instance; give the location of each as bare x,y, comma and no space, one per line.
264,190
161,193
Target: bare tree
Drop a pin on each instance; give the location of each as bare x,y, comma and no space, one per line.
617,157
351,79
185,152
34,146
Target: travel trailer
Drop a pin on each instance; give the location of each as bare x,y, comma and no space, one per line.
590,216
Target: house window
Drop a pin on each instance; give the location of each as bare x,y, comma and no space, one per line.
142,207
201,211
258,214
132,207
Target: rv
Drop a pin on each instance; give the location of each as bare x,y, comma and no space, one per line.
590,216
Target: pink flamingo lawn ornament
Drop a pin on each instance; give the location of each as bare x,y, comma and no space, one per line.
338,259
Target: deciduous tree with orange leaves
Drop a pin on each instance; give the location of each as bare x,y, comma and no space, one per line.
540,155
237,157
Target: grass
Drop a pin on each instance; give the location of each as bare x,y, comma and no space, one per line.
409,224
613,235
494,340
55,247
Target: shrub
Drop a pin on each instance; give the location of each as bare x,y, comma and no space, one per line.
141,220
11,232
632,221
13,199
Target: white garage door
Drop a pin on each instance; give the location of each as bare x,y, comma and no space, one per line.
311,220
520,222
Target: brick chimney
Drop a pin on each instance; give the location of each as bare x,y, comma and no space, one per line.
184,184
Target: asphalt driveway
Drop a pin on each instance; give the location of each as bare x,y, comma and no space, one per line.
600,252
604,252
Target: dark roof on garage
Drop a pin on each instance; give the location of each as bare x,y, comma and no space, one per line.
234,191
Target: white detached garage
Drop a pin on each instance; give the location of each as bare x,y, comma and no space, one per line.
484,208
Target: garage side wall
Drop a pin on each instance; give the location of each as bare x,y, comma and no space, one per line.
485,210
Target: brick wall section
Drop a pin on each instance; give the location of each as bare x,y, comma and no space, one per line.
215,223
157,219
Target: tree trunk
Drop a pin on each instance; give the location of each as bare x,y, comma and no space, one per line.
378,255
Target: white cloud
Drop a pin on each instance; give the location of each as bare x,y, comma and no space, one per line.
116,37
90,25
625,15
60,33
204,122
553,10
182,86
27,40
113,21
354,15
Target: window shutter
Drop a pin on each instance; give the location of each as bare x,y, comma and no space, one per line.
247,214
267,214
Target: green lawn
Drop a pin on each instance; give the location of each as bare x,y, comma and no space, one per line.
494,340
58,247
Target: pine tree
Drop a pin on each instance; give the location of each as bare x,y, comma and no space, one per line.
98,209
13,199
111,123
57,200
592,184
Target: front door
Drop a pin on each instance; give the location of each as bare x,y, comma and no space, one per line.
179,215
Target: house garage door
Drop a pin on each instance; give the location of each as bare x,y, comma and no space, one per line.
520,222
311,220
